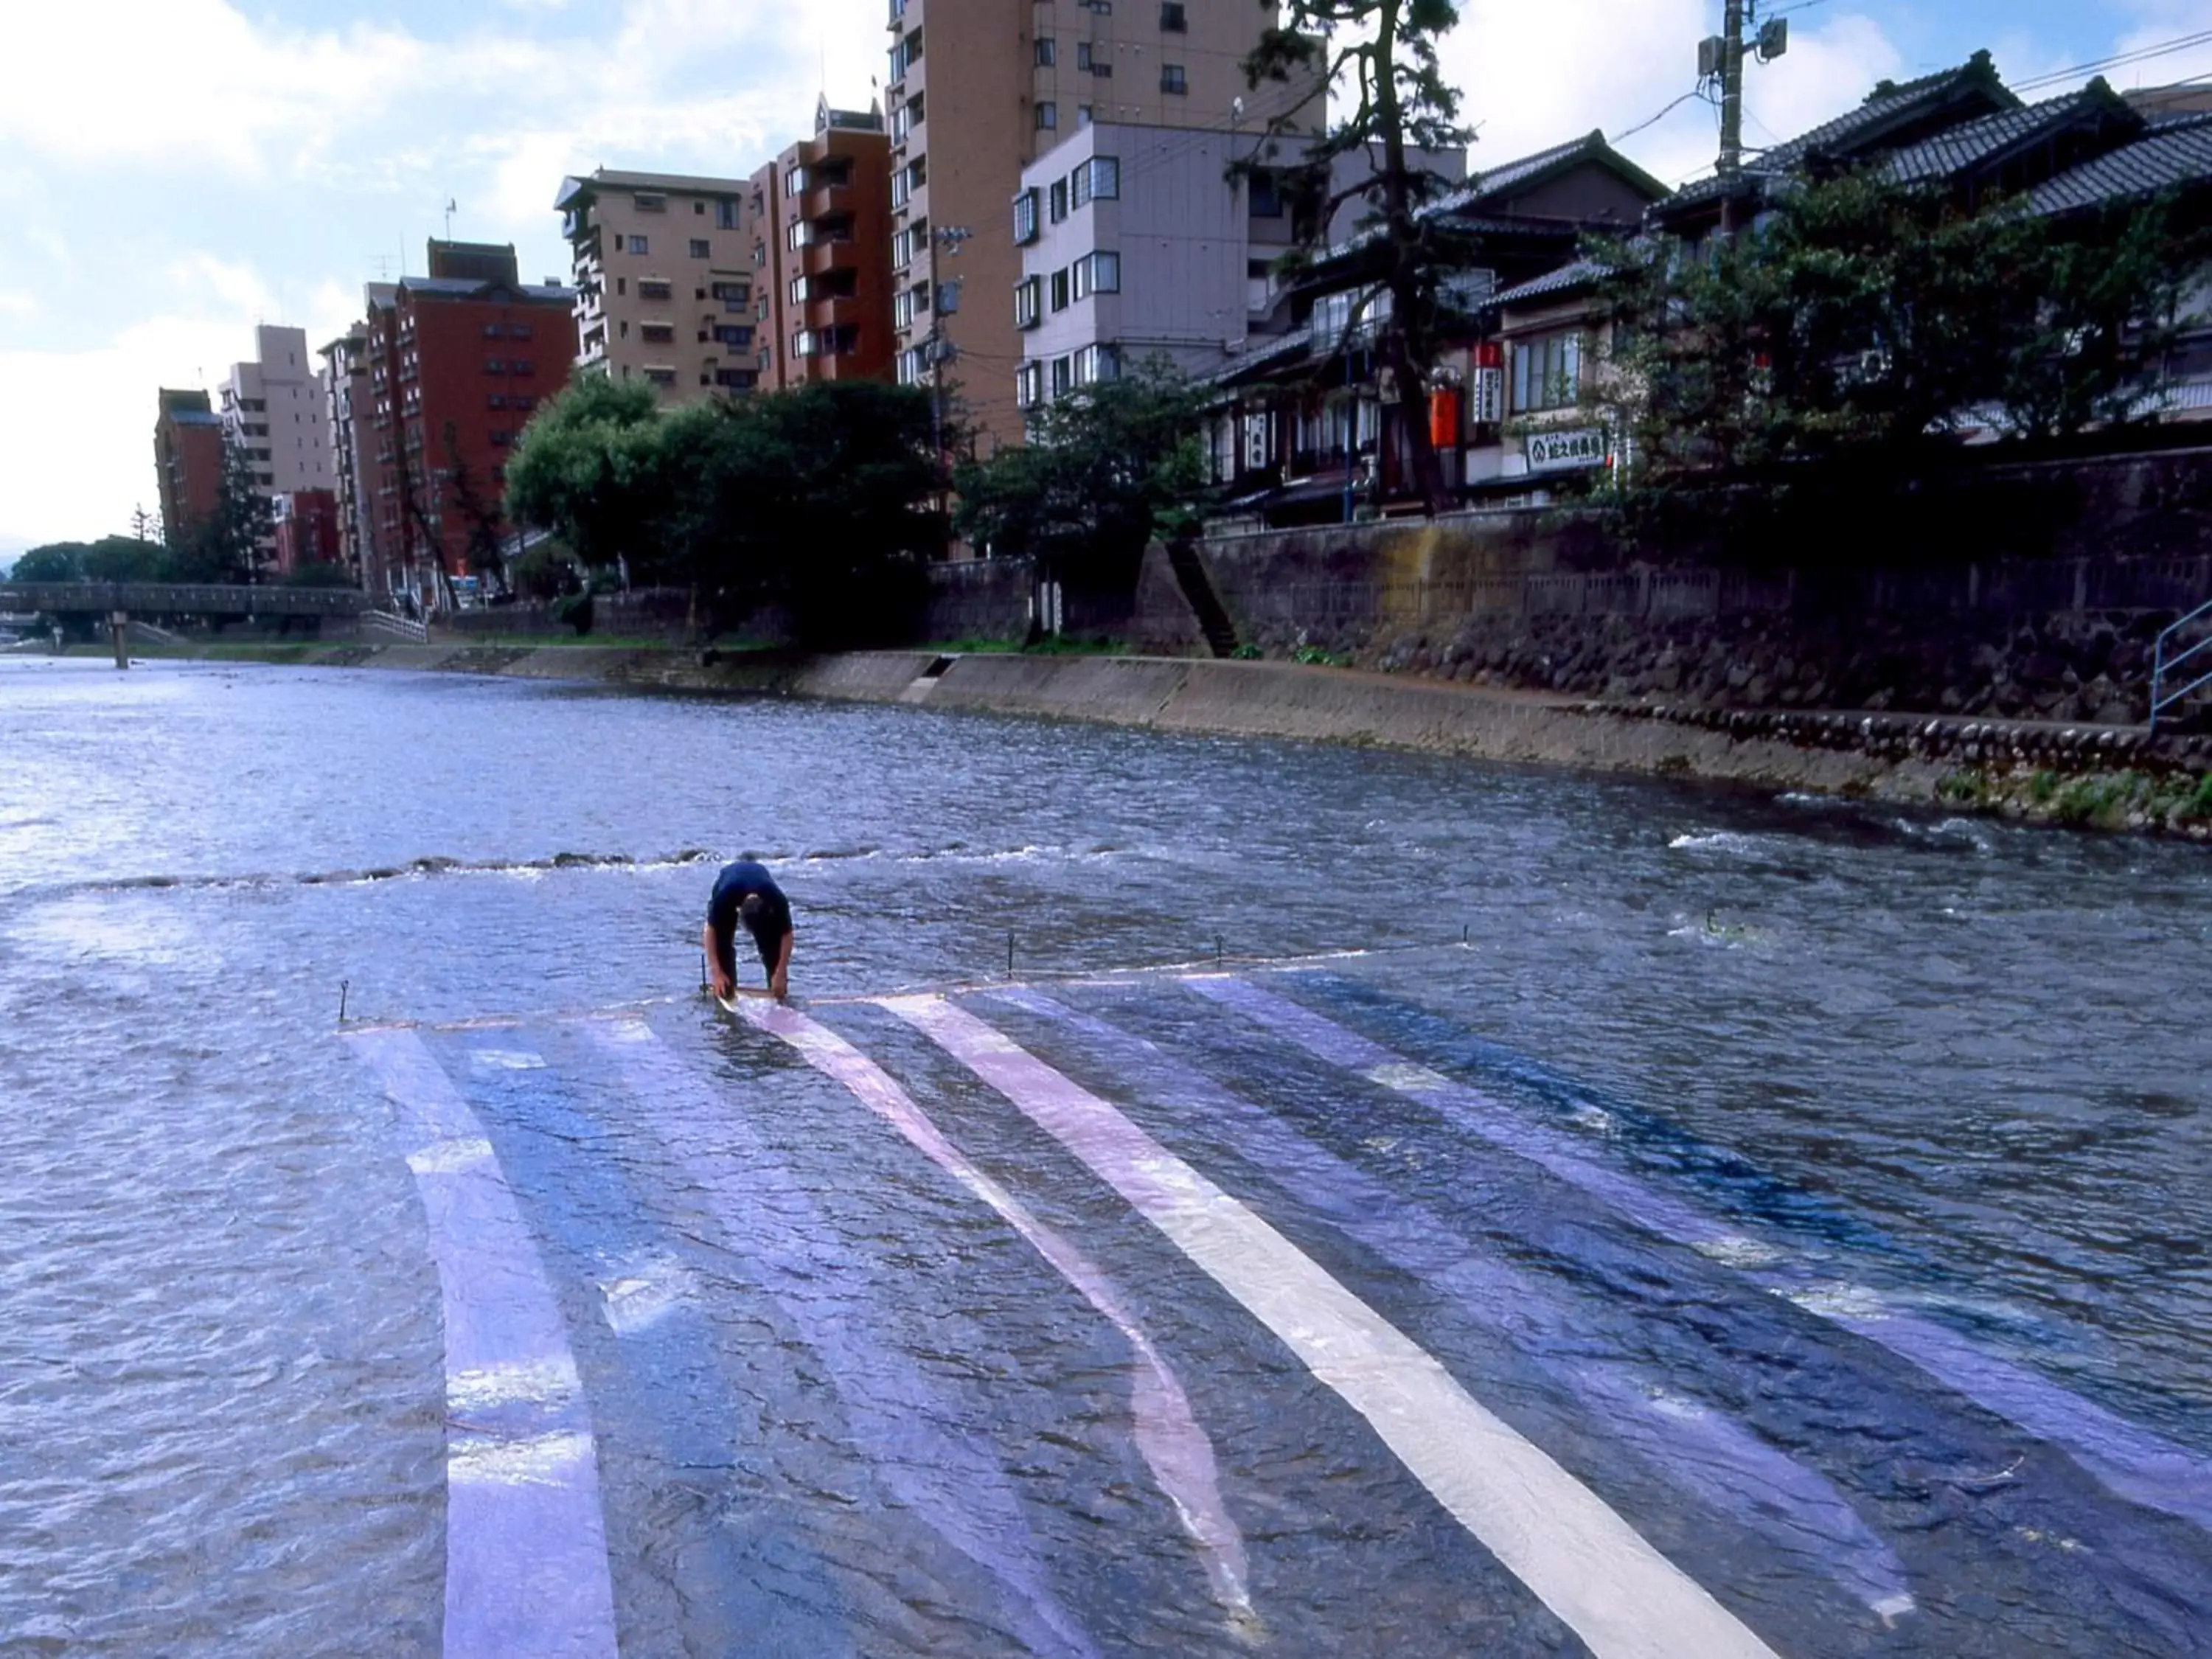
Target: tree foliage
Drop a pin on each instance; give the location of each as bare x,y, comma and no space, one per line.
1394,103
1866,324
1106,470
56,562
817,499
225,546
109,559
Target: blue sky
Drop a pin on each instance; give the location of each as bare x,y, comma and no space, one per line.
173,171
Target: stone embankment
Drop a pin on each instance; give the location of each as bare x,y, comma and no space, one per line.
2106,776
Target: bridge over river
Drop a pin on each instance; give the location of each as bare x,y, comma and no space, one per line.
179,600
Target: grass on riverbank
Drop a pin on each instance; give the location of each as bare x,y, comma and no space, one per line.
2097,800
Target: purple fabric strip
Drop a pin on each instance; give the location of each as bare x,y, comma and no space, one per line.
953,1482
1604,1580
2129,1460
526,1571
1166,1431
1702,1450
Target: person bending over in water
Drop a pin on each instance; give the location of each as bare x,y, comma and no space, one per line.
744,892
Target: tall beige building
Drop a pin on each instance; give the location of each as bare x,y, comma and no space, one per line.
664,273
981,88
274,409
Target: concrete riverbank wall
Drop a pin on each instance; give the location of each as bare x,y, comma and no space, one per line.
2112,777
2029,592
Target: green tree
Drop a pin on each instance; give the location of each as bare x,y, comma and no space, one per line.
1106,470
124,559
480,515
1866,325
1395,102
225,547
820,499
587,470
56,562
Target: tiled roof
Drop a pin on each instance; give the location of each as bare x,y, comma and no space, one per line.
1879,112
1959,149
2171,154
1494,182
1564,280
1295,343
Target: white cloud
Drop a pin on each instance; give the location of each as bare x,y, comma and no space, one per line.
180,83
76,426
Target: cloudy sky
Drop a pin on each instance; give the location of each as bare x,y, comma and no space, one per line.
174,171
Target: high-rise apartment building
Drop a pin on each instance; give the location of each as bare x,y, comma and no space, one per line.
665,280
345,375
187,461
458,361
273,408
821,251
981,88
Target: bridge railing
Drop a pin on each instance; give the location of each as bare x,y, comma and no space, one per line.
183,599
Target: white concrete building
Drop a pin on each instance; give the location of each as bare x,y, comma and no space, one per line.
275,409
1136,242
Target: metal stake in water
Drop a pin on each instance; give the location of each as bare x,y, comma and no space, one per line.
345,985
1010,955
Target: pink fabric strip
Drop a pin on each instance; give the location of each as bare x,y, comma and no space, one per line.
1166,1429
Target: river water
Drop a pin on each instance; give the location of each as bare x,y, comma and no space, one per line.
1542,1214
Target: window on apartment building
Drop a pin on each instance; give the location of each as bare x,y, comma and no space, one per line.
738,335
1058,202
726,214
650,201
1266,195
702,248
760,309
652,288
635,244
698,207
502,437
1547,370
1029,296
622,285
659,375
520,366
1083,115
1172,20
794,234
496,400
798,290
794,181
806,343
1105,172
914,113
1096,273
1059,289
1084,56
1028,386
733,295
517,331
909,366
657,333
1044,51
1063,375
1047,116
948,298
1172,78
1095,363
494,366
1026,218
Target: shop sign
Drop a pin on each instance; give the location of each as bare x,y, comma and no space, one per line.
1560,451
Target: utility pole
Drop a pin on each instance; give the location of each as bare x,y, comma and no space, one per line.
1720,58
1731,68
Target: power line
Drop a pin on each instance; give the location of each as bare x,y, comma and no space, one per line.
1654,120
2117,60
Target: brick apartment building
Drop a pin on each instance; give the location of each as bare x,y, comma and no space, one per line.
822,250
458,360
665,280
306,530
187,460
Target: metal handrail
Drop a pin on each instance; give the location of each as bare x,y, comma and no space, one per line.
2162,666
